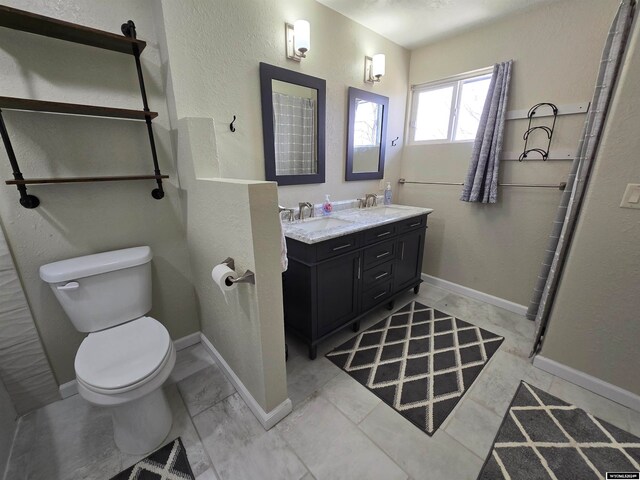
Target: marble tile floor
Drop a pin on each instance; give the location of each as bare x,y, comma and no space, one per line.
459,447
338,429
71,439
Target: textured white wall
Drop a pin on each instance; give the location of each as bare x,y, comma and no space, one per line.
594,323
87,218
8,417
24,369
237,219
497,248
215,48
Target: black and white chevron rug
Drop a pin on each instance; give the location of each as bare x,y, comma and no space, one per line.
419,361
542,437
167,463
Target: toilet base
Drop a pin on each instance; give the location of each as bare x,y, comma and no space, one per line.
140,426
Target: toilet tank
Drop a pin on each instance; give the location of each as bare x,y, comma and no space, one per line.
102,290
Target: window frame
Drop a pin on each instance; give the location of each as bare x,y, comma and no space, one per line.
457,83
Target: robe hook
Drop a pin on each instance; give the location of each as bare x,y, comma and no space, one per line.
231,127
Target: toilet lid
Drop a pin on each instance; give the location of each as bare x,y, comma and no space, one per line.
123,355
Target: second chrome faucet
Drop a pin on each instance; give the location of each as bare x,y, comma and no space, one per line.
369,200
302,206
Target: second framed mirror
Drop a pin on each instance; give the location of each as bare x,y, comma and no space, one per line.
366,135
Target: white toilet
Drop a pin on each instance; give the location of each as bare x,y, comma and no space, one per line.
127,356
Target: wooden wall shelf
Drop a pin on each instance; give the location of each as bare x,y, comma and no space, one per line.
70,32
44,181
14,103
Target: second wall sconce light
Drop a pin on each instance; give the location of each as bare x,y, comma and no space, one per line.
298,37
374,68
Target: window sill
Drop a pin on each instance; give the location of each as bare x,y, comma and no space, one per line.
439,142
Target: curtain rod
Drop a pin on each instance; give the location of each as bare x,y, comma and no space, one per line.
561,186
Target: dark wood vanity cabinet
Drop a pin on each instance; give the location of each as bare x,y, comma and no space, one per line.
332,284
337,292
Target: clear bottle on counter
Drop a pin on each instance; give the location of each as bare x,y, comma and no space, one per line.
388,194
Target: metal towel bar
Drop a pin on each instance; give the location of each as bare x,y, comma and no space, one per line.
561,186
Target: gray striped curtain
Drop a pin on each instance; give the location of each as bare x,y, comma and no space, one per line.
481,184
294,134
566,218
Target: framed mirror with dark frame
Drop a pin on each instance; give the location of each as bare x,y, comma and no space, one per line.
293,125
366,135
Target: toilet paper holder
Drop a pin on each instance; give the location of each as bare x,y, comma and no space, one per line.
248,277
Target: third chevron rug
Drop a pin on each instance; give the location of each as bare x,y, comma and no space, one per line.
544,438
419,361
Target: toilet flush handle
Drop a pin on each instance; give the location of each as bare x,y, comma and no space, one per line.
69,286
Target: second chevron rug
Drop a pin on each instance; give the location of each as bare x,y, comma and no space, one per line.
419,361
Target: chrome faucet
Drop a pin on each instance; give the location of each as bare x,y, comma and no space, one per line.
362,203
373,197
302,206
289,212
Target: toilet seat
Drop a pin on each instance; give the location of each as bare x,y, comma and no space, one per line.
123,358
133,386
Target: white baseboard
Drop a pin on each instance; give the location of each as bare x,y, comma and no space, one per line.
470,292
68,389
267,419
187,341
71,388
591,383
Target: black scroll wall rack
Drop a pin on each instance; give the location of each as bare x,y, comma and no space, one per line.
71,32
544,153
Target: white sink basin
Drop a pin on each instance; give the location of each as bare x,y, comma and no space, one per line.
316,225
381,211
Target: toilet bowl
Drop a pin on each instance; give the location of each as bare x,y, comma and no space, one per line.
123,368
127,356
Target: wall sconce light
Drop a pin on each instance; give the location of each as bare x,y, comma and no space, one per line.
374,68
298,38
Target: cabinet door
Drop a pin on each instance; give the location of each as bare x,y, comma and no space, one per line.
338,281
409,259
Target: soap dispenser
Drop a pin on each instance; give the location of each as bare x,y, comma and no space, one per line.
388,194
327,207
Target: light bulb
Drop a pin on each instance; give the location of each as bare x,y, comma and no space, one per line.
378,65
302,36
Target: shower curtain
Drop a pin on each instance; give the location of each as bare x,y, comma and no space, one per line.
294,134
566,218
481,184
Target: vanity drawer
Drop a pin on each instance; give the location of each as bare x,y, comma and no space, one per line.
338,246
376,295
412,223
380,253
377,274
380,233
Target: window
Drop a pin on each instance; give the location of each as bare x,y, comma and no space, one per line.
449,110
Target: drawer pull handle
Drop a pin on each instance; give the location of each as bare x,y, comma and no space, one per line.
380,295
382,275
341,247
383,254
415,224
359,268
384,234
402,254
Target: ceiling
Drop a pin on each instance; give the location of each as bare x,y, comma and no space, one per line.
412,23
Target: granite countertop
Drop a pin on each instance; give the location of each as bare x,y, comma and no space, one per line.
349,221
